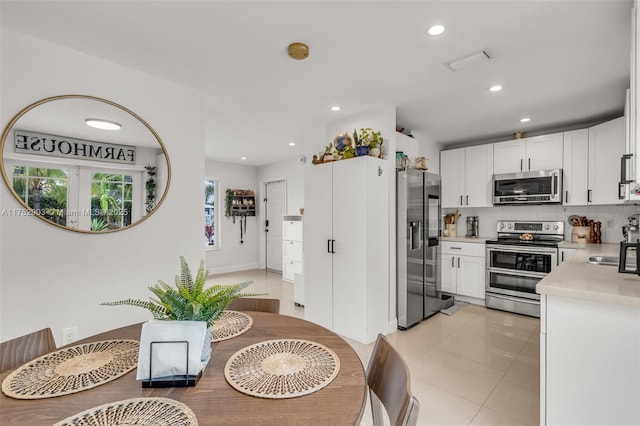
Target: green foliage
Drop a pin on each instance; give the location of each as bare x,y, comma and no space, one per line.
228,201
98,224
369,138
189,300
150,187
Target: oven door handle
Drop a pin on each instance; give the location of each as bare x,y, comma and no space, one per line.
520,249
518,273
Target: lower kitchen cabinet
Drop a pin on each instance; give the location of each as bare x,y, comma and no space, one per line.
589,362
463,269
565,253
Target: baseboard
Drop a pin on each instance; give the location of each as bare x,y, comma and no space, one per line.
232,268
393,326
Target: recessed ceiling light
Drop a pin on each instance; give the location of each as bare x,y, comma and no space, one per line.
243,158
435,30
102,124
495,88
525,119
292,144
335,108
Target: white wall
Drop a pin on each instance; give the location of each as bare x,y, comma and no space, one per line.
55,278
488,217
429,149
232,255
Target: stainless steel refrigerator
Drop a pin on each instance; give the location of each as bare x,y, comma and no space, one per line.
418,229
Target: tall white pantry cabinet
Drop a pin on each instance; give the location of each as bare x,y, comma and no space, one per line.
346,246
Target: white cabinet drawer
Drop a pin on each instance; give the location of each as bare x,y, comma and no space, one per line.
292,230
292,250
289,268
462,249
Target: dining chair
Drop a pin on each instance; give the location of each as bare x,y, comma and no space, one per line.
389,386
255,304
25,348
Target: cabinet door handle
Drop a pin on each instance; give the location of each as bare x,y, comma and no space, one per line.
328,246
529,167
332,243
621,192
453,262
467,200
461,200
562,256
521,164
458,262
589,196
566,196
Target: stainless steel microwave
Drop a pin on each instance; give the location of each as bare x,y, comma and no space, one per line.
541,187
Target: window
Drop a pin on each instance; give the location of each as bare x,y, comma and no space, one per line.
211,214
44,190
81,197
111,201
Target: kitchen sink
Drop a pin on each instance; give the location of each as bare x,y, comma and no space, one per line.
603,260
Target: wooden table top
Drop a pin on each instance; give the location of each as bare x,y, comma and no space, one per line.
213,400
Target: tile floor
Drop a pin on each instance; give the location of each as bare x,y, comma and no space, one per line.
477,367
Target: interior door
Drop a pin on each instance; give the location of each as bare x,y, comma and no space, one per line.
275,198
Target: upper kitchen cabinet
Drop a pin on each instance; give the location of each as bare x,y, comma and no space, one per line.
606,146
466,176
576,167
523,155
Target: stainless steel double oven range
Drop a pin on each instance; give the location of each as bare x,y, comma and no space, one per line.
522,255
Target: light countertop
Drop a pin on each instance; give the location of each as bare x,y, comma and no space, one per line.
578,279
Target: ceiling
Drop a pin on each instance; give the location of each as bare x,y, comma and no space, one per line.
561,63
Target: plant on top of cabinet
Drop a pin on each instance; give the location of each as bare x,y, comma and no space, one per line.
369,138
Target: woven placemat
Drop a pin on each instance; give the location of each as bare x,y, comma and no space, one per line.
135,411
282,368
230,324
72,369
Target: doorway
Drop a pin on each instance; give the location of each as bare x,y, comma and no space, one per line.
274,207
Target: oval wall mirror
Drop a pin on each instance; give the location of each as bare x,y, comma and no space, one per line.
82,178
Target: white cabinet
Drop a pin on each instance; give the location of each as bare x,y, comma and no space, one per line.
606,147
565,253
463,268
589,362
529,154
291,246
576,167
591,164
346,247
466,176
408,145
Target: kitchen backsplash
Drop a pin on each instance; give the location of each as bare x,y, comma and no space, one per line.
488,216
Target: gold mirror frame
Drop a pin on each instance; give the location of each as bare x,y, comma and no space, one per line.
31,211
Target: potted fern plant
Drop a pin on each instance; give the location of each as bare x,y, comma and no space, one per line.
189,300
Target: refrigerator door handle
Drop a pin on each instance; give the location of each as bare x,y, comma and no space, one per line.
415,241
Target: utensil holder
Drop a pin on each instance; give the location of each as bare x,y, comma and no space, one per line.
580,234
451,229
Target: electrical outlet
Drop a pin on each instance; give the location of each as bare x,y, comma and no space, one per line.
69,335
608,224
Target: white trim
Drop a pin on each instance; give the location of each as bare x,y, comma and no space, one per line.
232,268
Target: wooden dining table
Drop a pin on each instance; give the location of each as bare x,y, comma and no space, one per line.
212,399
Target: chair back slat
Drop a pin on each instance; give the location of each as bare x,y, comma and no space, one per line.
389,386
255,304
20,350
